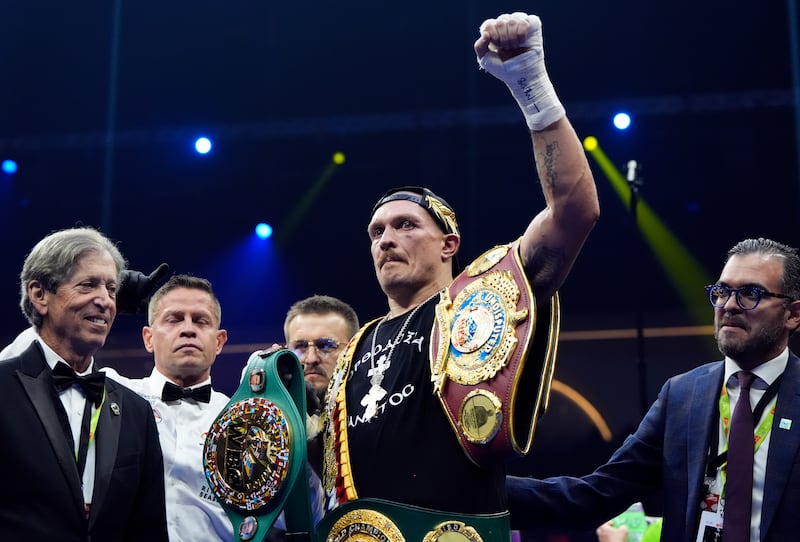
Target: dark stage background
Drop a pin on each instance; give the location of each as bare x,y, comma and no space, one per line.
101,102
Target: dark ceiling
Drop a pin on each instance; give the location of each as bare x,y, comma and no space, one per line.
102,100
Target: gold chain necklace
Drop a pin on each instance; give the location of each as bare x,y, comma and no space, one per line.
376,371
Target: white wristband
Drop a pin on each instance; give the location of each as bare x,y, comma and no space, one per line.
535,95
527,79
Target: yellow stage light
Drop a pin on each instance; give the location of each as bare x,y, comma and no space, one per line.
686,274
284,233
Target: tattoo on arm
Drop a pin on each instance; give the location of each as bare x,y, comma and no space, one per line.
547,163
545,268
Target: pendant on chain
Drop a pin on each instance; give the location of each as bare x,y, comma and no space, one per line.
377,369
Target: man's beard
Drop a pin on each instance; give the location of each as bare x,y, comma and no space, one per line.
754,348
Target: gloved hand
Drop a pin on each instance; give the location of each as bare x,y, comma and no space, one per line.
135,289
511,48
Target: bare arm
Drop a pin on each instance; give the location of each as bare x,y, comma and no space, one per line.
510,48
554,237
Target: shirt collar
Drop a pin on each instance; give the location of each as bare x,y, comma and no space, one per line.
157,380
52,358
768,371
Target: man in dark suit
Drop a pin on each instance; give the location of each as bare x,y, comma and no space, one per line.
80,456
681,446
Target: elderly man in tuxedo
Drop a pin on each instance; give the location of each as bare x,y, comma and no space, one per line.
81,457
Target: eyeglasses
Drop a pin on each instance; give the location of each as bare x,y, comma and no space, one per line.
325,347
747,297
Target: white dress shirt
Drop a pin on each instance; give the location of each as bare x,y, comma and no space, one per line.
766,374
193,512
74,402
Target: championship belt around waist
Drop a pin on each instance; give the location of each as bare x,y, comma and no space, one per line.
255,451
368,520
492,361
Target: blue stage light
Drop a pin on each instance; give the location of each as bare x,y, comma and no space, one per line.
9,167
203,145
263,231
622,121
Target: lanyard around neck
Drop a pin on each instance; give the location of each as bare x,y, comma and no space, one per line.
88,430
719,460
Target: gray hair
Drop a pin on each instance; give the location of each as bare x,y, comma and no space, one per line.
54,259
770,248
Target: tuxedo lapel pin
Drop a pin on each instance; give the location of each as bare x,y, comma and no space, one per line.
785,424
114,409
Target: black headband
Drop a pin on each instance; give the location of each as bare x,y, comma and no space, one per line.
441,211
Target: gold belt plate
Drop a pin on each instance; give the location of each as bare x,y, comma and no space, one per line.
246,453
364,525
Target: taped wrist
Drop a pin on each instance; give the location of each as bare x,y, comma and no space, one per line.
527,79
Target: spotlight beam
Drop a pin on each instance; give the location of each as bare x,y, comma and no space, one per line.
682,269
286,230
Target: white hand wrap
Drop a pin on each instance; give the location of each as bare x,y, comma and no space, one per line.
526,76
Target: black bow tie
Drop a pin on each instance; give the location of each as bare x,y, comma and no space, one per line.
172,392
91,384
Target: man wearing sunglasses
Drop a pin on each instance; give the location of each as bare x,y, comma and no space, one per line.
687,445
316,329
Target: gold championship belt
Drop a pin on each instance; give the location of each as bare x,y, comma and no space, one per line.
255,451
353,519
377,520
491,364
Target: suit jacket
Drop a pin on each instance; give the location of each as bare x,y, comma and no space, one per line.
41,496
669,451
